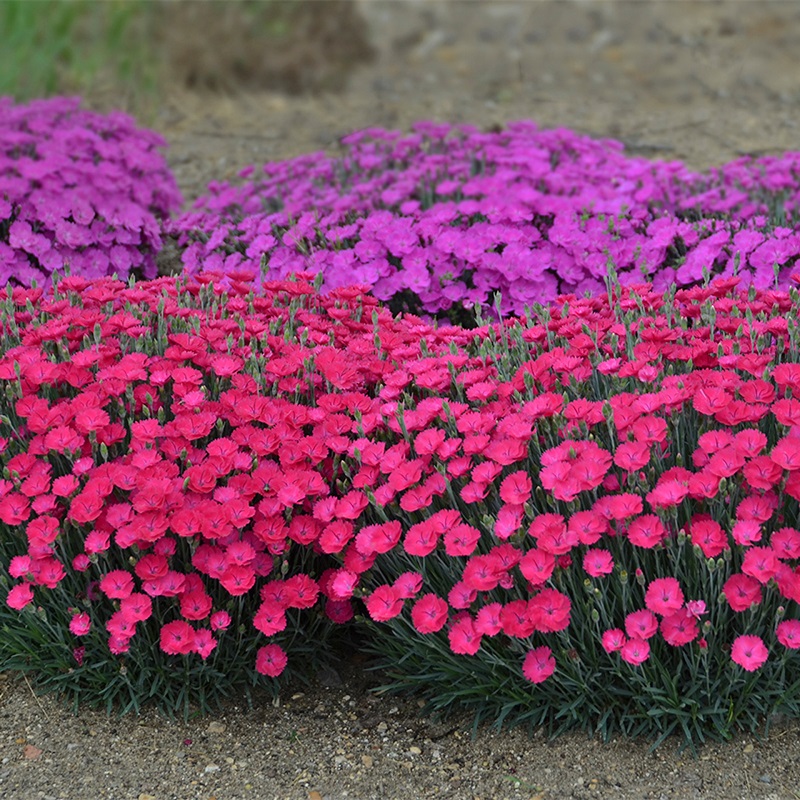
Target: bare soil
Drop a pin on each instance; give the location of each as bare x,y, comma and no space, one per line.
703,82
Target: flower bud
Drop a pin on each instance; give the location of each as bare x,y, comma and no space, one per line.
623,576
595,615
711,564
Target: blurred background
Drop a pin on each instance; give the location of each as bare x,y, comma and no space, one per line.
235,82
130,53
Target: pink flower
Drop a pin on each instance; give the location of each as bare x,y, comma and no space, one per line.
343,584
195,605
488,621
646,531
788,633
641,624
19,596
116,584
20,566
708,535
760,563
746,531
464,639
613,640
339,611
204,643
81,562
537,566
80,624
664,596
177,638
220,621
137,606
271,660
408,584
461,595
741,591
429,613
679,628
697,608
749,652
635,651
461,540
550,610
516,488
269,618
384,603
598,562
539,664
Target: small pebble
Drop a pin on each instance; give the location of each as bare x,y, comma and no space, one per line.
211,768
216,727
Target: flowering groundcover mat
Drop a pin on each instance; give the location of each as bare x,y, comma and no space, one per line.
582,515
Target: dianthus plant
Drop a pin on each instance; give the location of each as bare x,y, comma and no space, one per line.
586,517
163,450
79,190
597,525
437,221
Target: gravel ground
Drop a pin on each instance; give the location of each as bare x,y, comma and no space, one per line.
703,82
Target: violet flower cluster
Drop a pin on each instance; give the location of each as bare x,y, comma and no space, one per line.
79,190
452,215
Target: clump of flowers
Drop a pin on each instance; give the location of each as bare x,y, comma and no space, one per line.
437,221
600,519
79,190
588,516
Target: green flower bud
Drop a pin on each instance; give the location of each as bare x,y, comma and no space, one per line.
623,576
595,615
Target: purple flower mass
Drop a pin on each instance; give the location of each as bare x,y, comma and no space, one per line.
79,190
431,221
453,215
